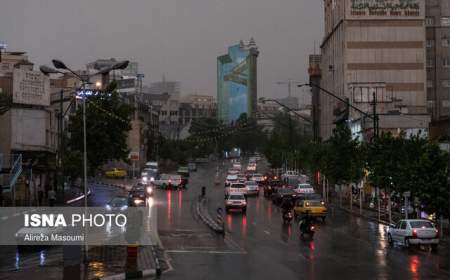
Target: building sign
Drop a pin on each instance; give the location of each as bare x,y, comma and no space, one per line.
386,8
134,156
31,88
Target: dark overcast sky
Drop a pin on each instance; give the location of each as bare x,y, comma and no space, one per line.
180,38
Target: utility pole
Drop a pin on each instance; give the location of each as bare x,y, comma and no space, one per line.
374,112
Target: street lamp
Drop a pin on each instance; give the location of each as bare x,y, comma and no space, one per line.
58,64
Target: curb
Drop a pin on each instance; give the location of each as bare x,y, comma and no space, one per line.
131,275
364,216
206,218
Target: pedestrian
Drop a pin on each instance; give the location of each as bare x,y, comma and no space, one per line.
51,197
40,195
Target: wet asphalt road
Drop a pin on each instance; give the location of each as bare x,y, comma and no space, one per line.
46,263
259,246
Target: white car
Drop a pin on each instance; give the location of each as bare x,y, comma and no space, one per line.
236,201
304,189
231,178
251,188
413,232
257,178
251,167
235,188
168,181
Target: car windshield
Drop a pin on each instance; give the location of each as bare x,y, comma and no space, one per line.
304,186
251,183
175,177
118,201
421,224
232,177
236,197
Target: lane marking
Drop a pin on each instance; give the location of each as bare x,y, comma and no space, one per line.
207,252
17,214
5,218
267,232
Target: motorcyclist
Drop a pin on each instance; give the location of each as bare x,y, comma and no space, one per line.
287,205
305,222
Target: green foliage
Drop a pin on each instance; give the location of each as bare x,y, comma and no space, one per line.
107,126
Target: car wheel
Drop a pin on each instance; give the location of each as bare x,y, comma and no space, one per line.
390,241
244,211
406,242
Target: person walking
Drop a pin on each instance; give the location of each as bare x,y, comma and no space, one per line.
51,197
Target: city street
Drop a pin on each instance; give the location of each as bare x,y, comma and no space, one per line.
259,246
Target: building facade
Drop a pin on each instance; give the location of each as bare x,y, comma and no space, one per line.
28,131
237,82
373,55
437,23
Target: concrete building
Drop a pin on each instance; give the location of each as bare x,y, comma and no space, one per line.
315,75
196,106
237,82
164,86
438,66
28,131
374,53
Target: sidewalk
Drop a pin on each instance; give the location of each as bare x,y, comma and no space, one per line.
372,214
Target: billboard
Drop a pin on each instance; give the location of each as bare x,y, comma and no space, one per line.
234,76
30,88
385,9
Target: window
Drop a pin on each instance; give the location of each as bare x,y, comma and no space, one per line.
446,103
429,21
430,62
446,62
446,42
403,225
429,83
430,43
446,83
445,21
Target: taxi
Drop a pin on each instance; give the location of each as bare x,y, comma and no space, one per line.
315,208
116,173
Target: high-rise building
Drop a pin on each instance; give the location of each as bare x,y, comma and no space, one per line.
236,82
373,55
437,23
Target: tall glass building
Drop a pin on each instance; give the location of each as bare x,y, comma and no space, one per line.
236,82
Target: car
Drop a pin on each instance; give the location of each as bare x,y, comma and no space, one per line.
232,172
236,201
152,165
314,208
304,188
251,188
116,173
137,195
169,181
235,188
270,185
251,167
242,178
257,177
192,166
279,193
237,166
117,204
231,178
183,171
414,232
148,176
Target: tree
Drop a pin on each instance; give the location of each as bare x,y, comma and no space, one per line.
107,125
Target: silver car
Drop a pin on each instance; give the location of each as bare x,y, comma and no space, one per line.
251,188
414,232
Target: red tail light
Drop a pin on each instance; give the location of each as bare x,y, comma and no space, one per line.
414,233
312,228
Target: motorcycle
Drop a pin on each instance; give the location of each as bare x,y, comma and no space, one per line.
287,217
306,229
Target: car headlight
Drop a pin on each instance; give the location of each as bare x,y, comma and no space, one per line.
108,207
149,190
138,201
144,179
125,207
152,179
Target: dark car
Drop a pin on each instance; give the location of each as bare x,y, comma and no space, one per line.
270,186
280,193
137,196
